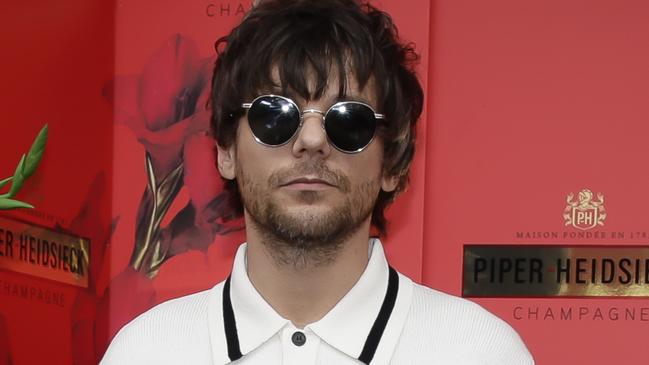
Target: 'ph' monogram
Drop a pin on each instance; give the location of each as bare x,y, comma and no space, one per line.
586,213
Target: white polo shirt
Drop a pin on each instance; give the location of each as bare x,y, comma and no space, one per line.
384,319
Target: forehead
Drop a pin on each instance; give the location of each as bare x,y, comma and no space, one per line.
332,91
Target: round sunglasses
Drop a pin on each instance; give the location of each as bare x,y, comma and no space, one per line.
274,120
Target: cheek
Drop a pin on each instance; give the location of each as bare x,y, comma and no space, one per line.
251,167
256,162
370,161
247,151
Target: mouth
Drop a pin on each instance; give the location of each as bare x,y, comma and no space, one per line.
307,183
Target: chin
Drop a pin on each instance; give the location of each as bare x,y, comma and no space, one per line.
308,213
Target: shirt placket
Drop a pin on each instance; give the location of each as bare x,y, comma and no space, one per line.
299,346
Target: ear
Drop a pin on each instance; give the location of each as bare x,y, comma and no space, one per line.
389,183
226,161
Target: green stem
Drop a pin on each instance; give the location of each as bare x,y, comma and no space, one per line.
5,181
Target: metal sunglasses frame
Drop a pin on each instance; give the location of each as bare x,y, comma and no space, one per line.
316,111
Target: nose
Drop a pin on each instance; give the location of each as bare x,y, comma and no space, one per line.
312,137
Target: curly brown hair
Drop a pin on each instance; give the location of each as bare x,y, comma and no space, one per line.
308,38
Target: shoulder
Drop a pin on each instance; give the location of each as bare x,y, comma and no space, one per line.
458,327
444,308
168,318
162,332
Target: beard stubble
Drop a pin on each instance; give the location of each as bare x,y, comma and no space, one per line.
306,239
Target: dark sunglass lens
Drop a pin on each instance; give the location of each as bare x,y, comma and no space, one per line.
350,126
273,120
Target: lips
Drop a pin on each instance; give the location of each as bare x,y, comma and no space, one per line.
307,180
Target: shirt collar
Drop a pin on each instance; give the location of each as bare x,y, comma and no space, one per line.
345,327
256,320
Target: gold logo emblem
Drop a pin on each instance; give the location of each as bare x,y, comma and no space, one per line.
585,213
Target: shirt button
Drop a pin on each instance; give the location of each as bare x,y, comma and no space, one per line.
298,338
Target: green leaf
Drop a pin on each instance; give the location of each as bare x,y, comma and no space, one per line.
5,181
27,164
11,204
35,153
18,179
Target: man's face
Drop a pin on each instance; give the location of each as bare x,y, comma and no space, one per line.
306,193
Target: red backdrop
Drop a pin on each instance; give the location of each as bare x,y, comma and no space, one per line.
530,101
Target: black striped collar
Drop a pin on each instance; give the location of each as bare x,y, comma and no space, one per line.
372,313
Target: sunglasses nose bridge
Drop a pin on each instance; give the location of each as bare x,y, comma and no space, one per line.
313,111
309,136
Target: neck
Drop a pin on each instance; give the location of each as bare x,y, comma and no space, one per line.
304,292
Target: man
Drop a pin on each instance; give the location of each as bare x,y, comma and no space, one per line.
314,111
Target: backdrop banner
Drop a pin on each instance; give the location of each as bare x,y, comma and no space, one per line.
537,143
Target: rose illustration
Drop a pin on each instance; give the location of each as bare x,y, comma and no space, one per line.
166,108
182,210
